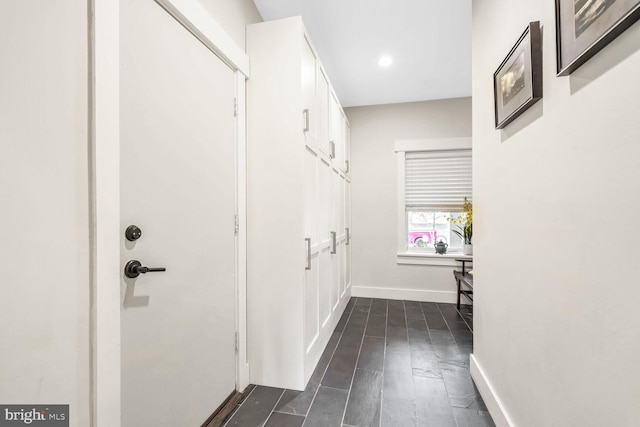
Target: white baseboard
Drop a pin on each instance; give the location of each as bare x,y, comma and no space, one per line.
404,294
491,399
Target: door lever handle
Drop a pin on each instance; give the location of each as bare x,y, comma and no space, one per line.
134,268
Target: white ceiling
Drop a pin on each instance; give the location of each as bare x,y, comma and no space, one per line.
429,41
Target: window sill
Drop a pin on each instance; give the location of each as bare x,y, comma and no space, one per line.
425,258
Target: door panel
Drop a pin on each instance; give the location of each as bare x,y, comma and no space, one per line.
347,201
311,306
177,185
336,127
311,319
335,259
309,90
322,94
324,224
347,147
311,196
342,233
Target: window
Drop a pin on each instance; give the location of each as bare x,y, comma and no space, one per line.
435,178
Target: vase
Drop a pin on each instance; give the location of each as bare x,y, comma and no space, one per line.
467,249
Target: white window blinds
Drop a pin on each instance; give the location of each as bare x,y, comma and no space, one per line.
437,180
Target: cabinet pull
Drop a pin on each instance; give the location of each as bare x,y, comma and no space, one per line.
308,266
333,149
305,113
346,166
333,242
348,232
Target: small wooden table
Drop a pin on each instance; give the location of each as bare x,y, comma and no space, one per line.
464,280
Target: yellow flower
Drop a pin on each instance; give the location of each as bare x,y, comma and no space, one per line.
464,222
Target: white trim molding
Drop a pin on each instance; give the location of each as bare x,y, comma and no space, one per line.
403,294
201,24
421,258
494,404
243,373
405,145
104,142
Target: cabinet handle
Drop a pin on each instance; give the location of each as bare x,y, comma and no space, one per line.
346,166
348,232
333,242
333,149
308,266
305,113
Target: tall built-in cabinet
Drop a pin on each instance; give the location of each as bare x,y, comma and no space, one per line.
299,216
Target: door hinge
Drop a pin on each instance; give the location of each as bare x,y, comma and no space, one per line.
237,224
237,342
235,107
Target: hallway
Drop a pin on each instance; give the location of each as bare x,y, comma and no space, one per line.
390,364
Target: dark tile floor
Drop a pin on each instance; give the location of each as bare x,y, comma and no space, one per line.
389,364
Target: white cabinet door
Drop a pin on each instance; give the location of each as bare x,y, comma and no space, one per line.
335,230
347,147
311,253
347,209
309,109
341,234
324,227
336,130
322,96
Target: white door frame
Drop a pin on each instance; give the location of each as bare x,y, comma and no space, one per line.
105,191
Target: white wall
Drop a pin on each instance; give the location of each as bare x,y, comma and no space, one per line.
556,201
233,16
44,192
374,131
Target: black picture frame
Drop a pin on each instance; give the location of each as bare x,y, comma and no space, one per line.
517,83
584,27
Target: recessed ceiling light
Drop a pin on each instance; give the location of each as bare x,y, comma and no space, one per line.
385,61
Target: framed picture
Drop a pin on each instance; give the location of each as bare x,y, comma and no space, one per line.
583,27
517,83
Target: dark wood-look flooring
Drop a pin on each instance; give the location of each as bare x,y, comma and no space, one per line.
388,364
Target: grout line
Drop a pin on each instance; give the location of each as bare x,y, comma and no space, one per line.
231,415
444,383
384,358
465,320
449,328
457,345
415,396
274,407
353,376
329,363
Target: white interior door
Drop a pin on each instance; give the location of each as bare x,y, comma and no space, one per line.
178,186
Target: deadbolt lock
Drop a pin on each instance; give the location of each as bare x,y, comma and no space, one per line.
133,233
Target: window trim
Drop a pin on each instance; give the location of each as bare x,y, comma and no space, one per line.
405,255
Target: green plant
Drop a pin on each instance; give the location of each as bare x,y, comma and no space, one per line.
464,222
